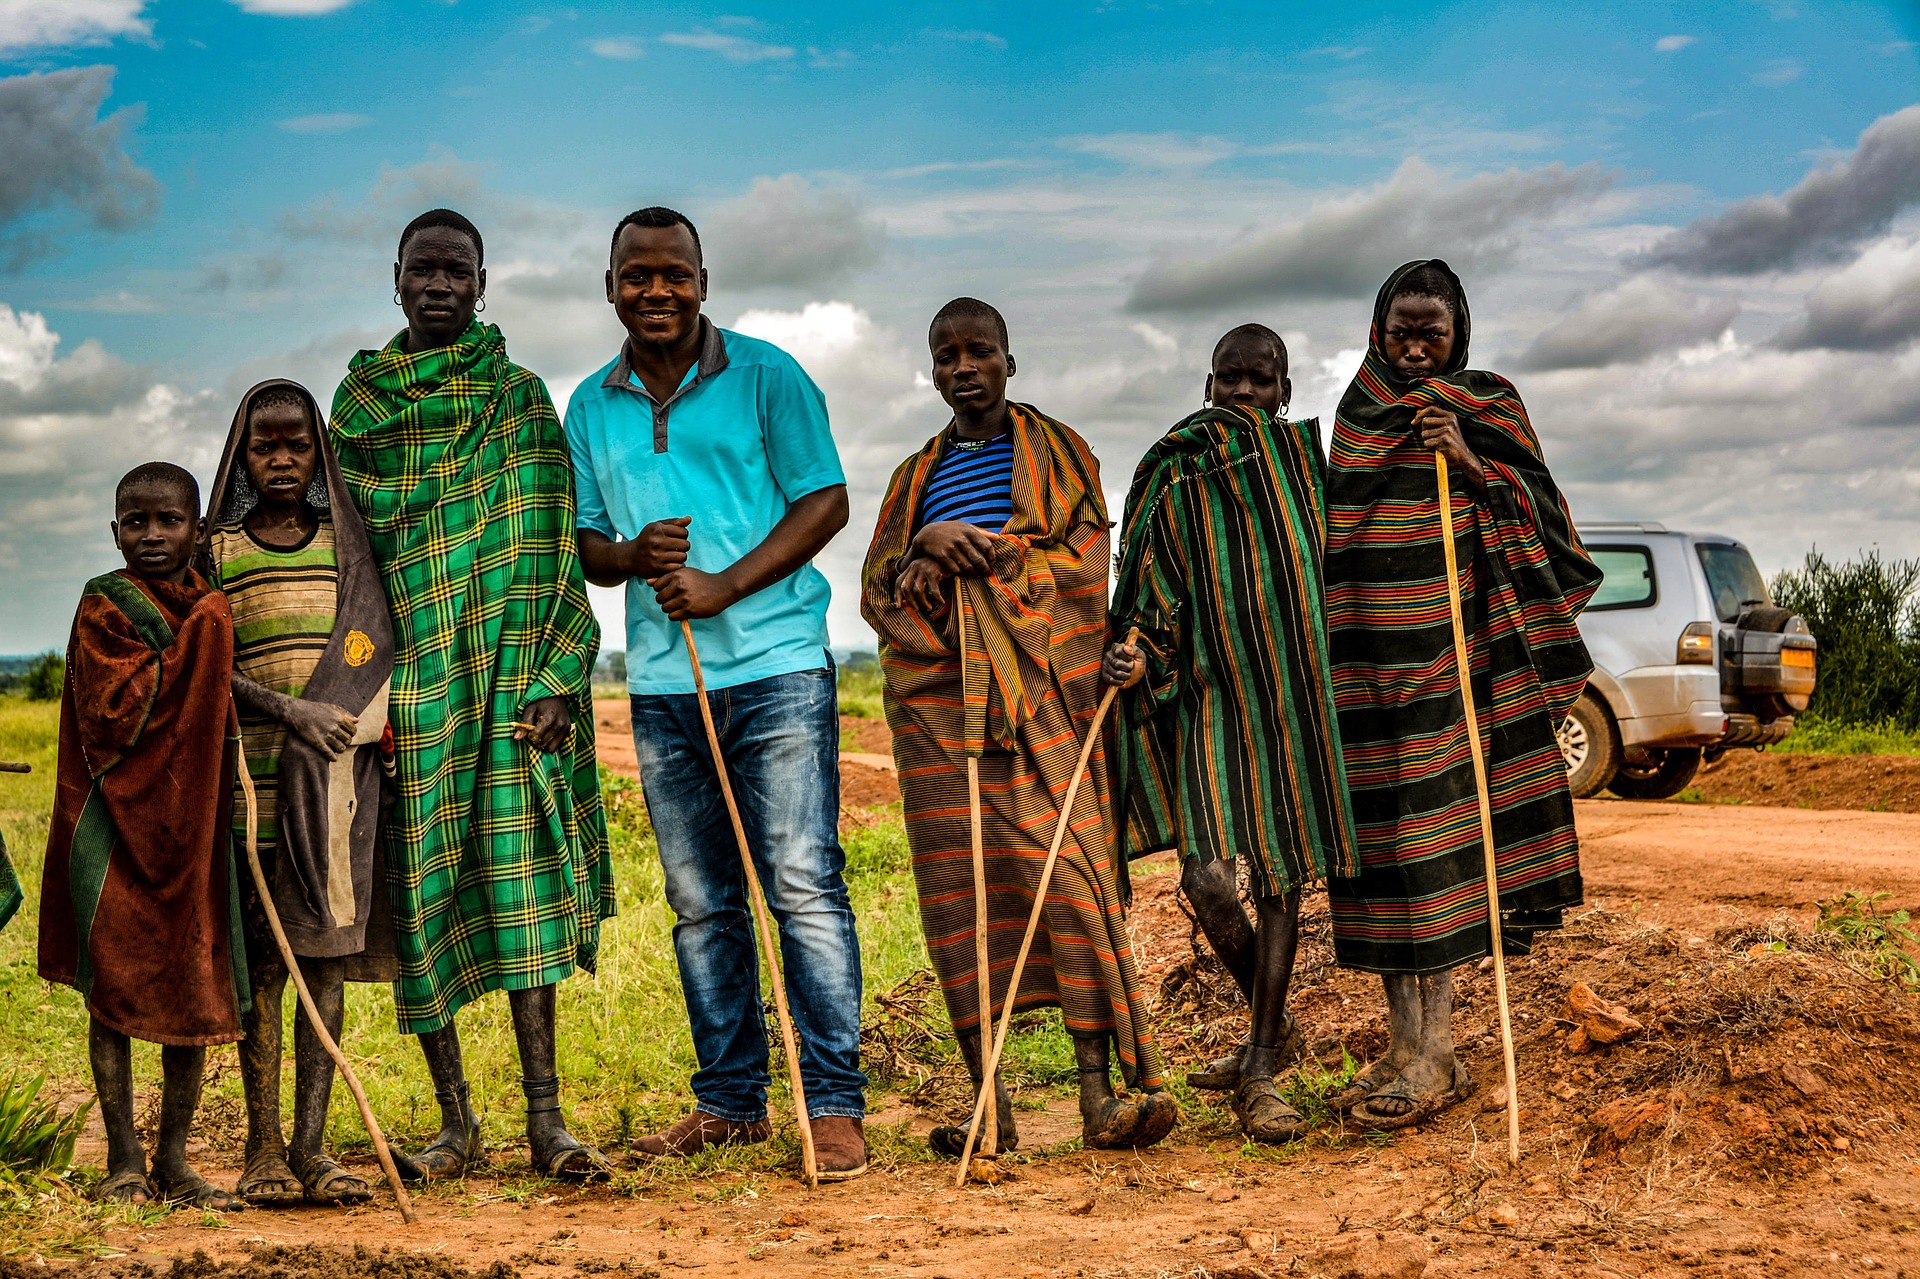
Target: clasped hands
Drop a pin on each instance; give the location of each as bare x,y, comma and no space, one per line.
659,556
943,550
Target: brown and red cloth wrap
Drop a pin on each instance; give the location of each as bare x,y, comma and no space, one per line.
328,876
138,908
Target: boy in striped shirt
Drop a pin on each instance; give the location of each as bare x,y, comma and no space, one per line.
313,652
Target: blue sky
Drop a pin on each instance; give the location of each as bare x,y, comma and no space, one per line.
1688,231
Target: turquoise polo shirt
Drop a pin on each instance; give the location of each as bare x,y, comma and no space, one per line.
743,438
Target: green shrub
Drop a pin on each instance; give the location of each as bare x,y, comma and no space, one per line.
1867,618
45,678
1882,936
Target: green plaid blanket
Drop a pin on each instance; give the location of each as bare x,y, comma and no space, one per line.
497,854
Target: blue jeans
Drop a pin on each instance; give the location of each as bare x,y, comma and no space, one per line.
781,738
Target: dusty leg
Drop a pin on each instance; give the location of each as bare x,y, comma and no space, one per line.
458,1141
1276,943
112,1057
266,1179
1093,1058
555,1151
180,1072
323,1179
1215,895
1429,1073
948,1139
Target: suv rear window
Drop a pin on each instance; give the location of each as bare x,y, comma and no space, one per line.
1732,579
1627,577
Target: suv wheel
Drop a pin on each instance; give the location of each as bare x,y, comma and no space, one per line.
1664,775
1590,744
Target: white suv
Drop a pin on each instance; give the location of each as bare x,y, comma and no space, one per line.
1690,659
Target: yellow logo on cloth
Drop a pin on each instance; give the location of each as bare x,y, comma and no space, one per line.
359,648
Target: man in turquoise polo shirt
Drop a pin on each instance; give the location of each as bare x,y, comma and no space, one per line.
707,480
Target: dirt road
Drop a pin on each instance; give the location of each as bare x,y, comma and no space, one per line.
1759,1126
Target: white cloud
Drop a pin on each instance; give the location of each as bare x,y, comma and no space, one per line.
291,8
28,24
1346,245
1778,72
70,426
1177,152
732,48
882,409
1871,305
325,122
1340,52
1672,44
619,48
26,347
1828,212
786,232
1630,322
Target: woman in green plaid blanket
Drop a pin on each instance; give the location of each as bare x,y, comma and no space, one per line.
496,846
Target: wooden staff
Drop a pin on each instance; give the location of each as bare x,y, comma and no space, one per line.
763,922
1463,662
1033,920
10,766
306,999
982,963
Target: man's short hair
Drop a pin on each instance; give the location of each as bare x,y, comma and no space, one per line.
971,309
449,219
658,216
1430,281
158,475
1259,333
277,397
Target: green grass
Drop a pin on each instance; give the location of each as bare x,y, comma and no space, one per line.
624,1052
860,693
1815,736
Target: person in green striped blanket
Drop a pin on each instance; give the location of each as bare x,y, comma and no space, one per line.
1228,746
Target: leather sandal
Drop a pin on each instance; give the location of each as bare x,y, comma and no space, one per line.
447,1158
325,1182
1264,1115
125,1188
192,1190
268,1182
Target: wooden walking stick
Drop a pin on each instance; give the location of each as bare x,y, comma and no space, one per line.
306,999
1463,662
1033,920
982,962
762,922
9,766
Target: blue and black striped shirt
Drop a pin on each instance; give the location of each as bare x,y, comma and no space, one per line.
972,483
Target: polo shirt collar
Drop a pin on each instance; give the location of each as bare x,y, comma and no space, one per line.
713,358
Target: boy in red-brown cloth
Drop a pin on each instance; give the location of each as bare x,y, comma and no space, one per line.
137,909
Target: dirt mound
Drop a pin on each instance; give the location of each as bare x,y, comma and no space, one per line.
300,1261
1870,783
1758,1051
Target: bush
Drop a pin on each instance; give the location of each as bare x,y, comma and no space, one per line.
45,678
1867,618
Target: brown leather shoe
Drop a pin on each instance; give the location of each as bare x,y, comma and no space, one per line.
839,1147
698,1131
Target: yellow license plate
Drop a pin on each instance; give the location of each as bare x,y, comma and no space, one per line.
1797,657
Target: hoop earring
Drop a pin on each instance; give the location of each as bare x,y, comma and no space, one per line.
1281,412
481,305
396,298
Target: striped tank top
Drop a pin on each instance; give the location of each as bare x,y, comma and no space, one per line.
973,483
283,603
